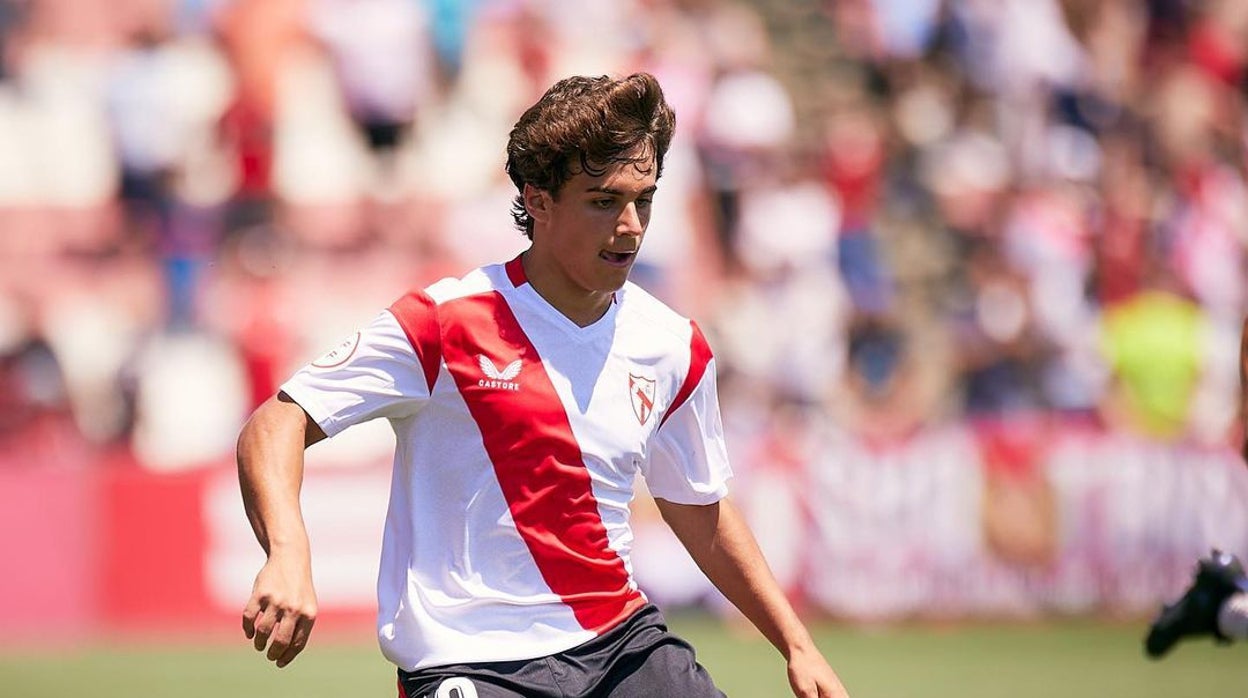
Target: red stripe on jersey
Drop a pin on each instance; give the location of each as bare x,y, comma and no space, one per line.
515,273
402,691
699,358
418,316
536,458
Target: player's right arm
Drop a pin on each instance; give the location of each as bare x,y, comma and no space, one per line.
380,371
282,608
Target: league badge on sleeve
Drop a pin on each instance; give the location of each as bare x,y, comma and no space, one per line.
641,394
338,355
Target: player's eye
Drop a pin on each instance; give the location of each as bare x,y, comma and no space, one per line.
603,204
643,203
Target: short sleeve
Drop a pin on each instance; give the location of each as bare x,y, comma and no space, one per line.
373,373
688,461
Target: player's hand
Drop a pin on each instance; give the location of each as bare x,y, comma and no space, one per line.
282,608
811,677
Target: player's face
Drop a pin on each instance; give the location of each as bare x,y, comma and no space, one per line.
586,239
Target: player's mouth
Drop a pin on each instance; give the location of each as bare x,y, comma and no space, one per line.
617,259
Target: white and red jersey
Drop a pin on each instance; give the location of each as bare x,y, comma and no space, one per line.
519,435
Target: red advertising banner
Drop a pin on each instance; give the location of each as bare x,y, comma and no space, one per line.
1094,522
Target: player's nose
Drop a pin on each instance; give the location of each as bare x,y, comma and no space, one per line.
629,222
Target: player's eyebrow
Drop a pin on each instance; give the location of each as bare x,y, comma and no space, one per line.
616,192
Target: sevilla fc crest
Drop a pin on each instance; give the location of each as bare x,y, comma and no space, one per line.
641,393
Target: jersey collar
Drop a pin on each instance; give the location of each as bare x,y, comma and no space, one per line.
515,272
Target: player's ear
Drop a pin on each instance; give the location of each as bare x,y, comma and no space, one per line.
537,202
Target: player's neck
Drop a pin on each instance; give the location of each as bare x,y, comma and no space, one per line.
583,307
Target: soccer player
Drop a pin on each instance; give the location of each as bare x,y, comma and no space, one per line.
525,397
1216,602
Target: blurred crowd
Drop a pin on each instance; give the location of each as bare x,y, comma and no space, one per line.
886,214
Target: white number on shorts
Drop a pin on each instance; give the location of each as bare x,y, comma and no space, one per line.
458,687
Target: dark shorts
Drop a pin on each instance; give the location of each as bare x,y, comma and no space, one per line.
637,659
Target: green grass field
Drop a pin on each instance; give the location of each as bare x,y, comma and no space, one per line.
1059,660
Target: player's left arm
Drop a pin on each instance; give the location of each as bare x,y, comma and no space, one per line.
720,542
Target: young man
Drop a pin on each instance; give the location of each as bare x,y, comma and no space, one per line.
525,397
1216,603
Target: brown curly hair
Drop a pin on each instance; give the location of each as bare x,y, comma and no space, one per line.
590,123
